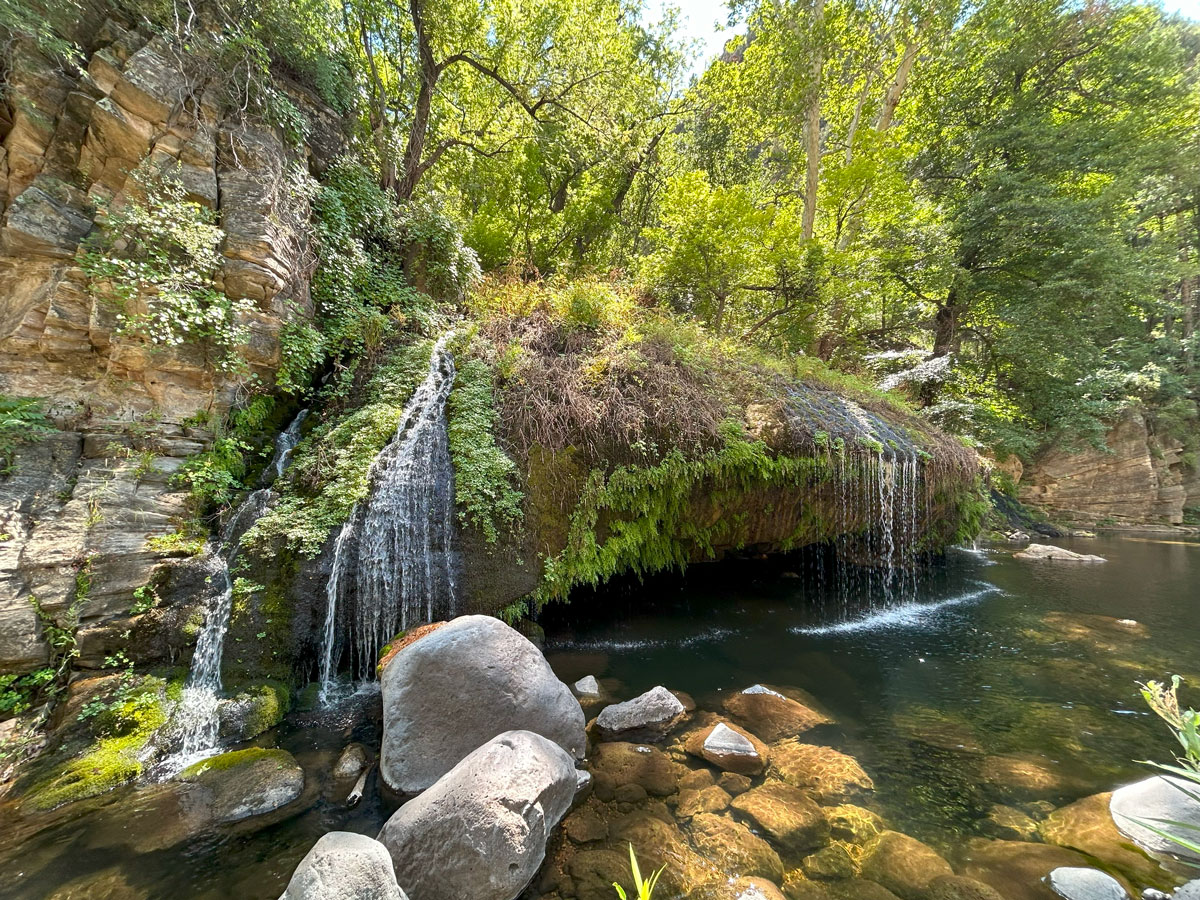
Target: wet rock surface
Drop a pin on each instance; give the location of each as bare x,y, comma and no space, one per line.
1085,884
1163,798
903,865
772,715
649,717
242,783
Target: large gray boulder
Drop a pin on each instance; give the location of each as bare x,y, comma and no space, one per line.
454,689
648,717
345,866
480,832
1156,801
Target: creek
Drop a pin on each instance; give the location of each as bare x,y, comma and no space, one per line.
985,657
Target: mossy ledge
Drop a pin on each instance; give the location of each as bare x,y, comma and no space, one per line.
592,436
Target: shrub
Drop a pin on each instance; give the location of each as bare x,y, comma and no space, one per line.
156,262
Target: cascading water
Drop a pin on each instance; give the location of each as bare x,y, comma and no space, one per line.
196,716
285,445
394,562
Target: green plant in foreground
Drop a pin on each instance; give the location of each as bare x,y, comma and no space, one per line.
1185,724
644,888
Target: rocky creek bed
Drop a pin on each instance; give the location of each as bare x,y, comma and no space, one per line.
782,746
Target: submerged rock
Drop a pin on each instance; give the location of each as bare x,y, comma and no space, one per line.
1017,869
242,783
1087,826
457,688
831,776
352,761
344,866
619,763
1048,551
648,717
959,887
1164,798
1010,823
1027,777
481,830
734,847
703,800
789,815
1086,884
771,714
903,865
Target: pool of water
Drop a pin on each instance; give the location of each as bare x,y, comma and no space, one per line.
985,656
989,656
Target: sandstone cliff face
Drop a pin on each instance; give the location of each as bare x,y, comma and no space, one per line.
78,511
1138,478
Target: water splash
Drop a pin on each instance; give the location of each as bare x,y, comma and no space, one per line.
394,560
906,615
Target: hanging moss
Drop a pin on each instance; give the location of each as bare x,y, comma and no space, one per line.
640,519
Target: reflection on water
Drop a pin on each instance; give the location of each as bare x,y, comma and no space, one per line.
997,669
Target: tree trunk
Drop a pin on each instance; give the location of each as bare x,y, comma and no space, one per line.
812,124
428,73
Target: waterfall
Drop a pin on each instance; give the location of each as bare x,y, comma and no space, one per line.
196,716
394,563
329,644
285,445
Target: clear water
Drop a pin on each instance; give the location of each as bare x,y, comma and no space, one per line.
991,655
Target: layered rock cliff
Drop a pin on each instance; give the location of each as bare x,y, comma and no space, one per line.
82,505
1138,477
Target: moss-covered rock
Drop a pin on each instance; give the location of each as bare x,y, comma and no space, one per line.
116,718
253,709
242,783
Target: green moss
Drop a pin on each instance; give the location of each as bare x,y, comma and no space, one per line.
640,519
114,758
485,478
329,470
270,702
233,760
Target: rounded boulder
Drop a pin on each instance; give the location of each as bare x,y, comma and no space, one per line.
481,830
344,866
457,688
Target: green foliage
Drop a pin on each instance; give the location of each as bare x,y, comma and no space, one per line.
217,475
19,693
644,888
43,27
156,262
328,474
639,519
123,721
21,420
485,477
1185,725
